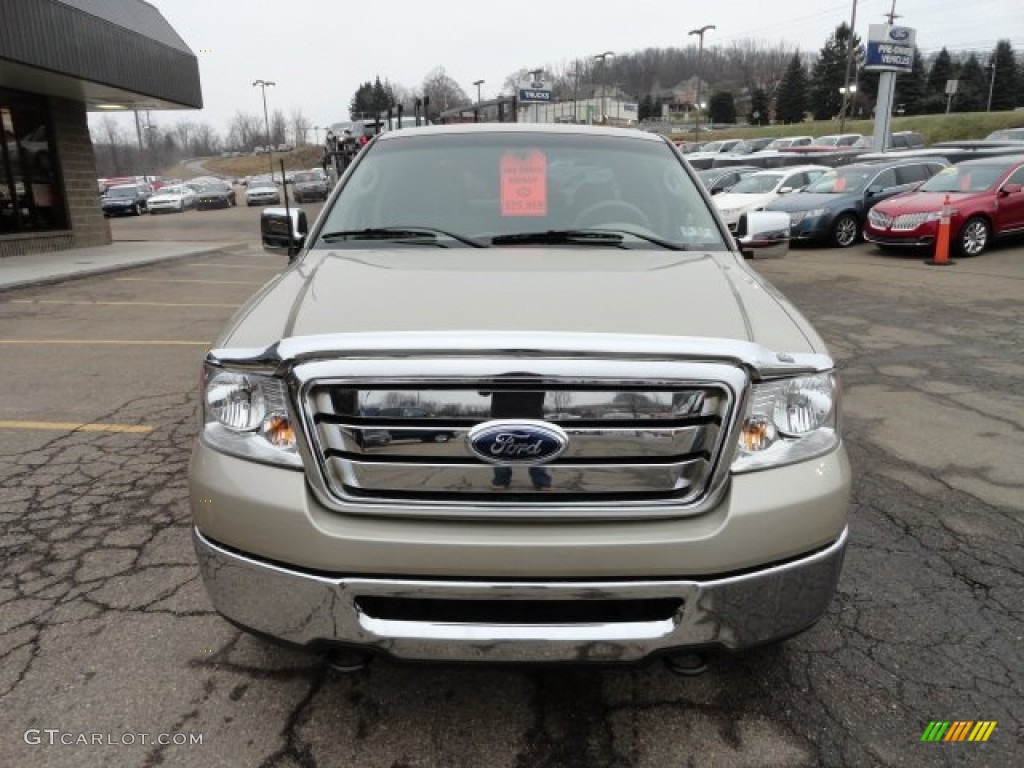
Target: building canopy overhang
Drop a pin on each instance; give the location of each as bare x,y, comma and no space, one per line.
108,54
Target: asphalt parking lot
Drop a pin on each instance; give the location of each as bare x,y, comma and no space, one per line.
105,627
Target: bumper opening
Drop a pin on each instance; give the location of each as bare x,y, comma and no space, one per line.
519,612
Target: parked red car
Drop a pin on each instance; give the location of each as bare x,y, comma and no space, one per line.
986,196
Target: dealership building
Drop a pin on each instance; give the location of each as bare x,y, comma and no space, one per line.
59,60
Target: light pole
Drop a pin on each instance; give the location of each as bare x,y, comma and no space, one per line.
991,84
263,85
849,64
700,52
602,57
316,135
476,112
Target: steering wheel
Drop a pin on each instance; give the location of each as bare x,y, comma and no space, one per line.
607,211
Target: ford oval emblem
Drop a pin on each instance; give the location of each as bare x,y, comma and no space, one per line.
517,441
899,34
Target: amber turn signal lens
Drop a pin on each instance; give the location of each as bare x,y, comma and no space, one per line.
757,434
278,431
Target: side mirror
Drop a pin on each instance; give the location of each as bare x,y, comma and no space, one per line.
1010,189
282,233
764,234
785,190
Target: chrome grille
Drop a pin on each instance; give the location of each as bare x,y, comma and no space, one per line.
394,442
908,221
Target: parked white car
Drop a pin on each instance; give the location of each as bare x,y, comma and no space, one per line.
173,199
758,189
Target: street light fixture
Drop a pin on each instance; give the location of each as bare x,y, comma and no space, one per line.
700,52
602,57
316,135
263,85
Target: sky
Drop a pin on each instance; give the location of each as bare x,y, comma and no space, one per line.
319,51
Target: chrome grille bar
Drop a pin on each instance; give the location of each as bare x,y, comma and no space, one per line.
648,434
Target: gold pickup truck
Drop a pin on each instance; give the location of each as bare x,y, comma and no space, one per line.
641,451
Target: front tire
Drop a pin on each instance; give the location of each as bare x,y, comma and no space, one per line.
845,230
973,237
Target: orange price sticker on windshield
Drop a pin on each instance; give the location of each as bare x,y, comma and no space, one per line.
524,184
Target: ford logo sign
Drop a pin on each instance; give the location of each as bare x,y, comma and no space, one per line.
517,442
899,34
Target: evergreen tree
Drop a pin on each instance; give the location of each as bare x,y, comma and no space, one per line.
722,107
972,90
758,108
362,101
383,97
647,108
941,71
1004,87
910,88
791,95
829,70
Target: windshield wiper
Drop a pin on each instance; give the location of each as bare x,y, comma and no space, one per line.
591,236
399,233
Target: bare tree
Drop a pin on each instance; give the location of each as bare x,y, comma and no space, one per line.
206,141
278,127
443,92
183,133
300,126
245,130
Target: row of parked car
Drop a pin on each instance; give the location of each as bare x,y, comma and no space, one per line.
894,202
135,197
140,197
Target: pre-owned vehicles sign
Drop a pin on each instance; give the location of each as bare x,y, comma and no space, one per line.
890,49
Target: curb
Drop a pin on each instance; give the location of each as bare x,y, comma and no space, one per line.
104,269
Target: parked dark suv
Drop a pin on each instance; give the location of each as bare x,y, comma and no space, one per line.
125,199
833,208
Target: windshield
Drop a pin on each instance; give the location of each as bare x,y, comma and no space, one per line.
172,191
262,185
123,192
826,141
479,186
757,184
842,181
211,189
303,177
964,178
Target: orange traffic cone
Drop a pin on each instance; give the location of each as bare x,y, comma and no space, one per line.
941,258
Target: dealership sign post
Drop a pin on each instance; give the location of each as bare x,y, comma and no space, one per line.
890,51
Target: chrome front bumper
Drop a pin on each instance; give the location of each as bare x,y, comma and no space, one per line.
306,609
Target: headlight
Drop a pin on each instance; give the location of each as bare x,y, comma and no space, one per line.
247,415
933,216
816,213
789,420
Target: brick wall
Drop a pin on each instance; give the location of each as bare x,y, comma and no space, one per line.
78,169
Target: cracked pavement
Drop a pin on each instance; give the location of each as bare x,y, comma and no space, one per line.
105,626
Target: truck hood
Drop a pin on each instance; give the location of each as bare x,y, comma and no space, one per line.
600,291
